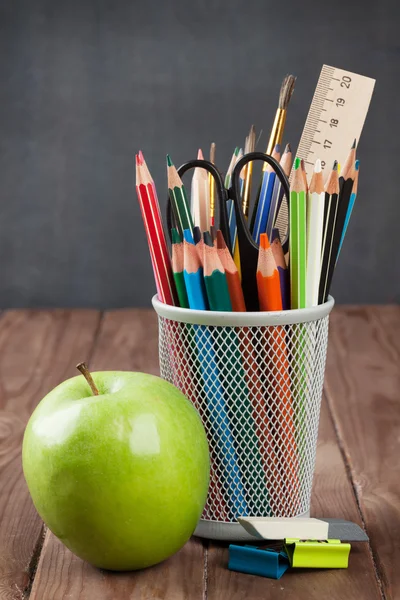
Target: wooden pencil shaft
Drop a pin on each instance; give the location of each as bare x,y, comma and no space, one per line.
298,249
180,208
150,210
343,205
315,222
330,210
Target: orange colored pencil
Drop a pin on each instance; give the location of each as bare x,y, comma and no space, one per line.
268,281
270,298
232,275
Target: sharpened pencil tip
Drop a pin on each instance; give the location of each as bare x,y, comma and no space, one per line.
297,163
288,148
220,240
357,165
196,234
207,238
176,238
354,144
200,155
187,236
264,241
169,161
275,235
277,148
237,150
137,160
317,166
335,165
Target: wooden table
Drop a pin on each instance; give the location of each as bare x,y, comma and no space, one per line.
357,474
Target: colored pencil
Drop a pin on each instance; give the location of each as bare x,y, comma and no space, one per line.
248,177
330,213
230,206
315,226
177,268
264,202
198,240
232,275
150,209
193,274
297,239
281,265
200,196
215,278
346,182
211,184
278,386
268,281
178,197
351,204
277,197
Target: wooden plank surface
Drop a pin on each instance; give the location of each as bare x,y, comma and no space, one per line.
128,341
38,349
363,388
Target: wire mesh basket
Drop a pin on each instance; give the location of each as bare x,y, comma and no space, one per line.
256,380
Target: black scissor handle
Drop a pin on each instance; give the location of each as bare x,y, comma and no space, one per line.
247,247
222,196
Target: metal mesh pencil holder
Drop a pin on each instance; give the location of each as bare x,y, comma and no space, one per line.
256,380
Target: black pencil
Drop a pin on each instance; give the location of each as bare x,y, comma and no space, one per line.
346,182
330,214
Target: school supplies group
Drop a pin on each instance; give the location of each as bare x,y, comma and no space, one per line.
239,246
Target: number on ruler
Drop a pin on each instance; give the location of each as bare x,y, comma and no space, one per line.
346,80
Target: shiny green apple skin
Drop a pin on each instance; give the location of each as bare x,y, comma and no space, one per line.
120,478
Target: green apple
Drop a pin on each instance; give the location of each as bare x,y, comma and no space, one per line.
119,472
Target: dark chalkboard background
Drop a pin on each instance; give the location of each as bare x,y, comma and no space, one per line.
85,84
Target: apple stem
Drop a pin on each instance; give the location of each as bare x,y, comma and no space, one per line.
83,368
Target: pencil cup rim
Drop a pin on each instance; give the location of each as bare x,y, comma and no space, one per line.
242,319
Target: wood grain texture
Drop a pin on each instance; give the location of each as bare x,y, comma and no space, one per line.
363,387
333,497
128,341
38,349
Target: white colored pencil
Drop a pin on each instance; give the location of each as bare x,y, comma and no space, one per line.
200,197
315,226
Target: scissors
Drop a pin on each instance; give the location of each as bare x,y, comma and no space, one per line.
248,248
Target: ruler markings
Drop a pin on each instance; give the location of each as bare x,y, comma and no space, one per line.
336,115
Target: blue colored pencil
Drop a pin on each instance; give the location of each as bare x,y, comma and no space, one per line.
193,274
264,202
351,205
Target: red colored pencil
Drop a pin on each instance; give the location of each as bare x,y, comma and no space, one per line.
147,196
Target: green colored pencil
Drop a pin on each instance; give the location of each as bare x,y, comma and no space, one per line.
177,268
297,239
179,201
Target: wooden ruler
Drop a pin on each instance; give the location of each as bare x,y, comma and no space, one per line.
336,116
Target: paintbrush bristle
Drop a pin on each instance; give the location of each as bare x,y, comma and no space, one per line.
287,89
